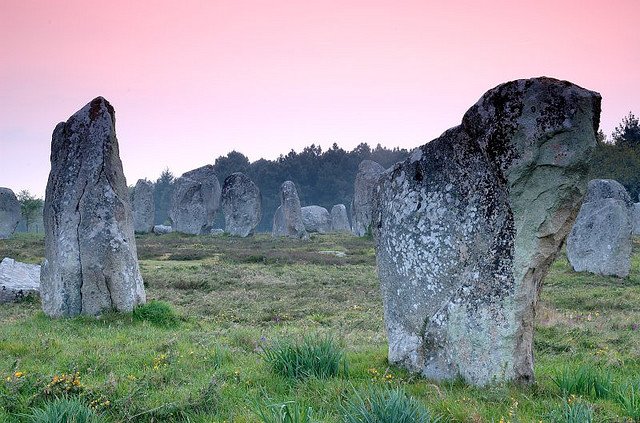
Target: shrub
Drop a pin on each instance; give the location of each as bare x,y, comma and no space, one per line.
67,410
384,405
157,313
286,412
629,399
314,356
572,411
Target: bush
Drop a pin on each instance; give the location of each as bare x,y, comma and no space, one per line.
64,410
317,357
286,412
384,405
157,313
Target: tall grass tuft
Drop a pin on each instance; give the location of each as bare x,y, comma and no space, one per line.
629,399
319,357
286,412
384,405
64,410
586,381
572,411
157,313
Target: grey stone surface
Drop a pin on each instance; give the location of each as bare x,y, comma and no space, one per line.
636,219
600,241
217,231
18,280
162,229
91,263
339,219
466,228
195,200
144,210
241,205
316,219
363,189
9,212
287,221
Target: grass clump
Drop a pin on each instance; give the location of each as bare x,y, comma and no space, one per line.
64,410
572,411
319,357
286,412
157,313
629,399
385,405
586,381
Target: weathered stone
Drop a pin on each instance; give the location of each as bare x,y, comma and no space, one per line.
18,280
363,190
91,263
600,241
144,209
162,229
287,221
636,219
9,213
467,227
217,231
241,205
339,219
316,219
195,200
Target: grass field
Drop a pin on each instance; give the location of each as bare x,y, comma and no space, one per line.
235,298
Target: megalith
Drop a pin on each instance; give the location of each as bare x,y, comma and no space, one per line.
340,219
287,220
195,200
91,263
9,212
241,205
144,210
316,219
363,190
467,226
600,241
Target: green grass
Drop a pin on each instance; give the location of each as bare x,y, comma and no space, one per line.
384,405
64,410
230,298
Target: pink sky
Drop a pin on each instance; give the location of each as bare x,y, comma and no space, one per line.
192,80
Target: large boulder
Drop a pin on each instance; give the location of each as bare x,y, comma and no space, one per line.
9,212
466,229
241,205
18,280
162,229
339,219
144,210
287,220
363,190
600,241
195,200
91,263
316,219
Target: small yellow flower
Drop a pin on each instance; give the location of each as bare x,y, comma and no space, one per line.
18,374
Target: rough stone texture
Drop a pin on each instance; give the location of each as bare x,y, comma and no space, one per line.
144,209
195,200
600,241
217,231
636,219
241,205
162,229
340,219
363,190
9,213
467,227
91,263
18,280
316,219
287,221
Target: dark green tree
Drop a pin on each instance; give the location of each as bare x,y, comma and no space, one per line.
627,134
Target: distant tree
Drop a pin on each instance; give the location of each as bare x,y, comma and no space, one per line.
627,134
231,163
30,206
163,188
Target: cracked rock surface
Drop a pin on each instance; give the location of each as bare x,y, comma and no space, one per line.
18,280
91,263
241,205
467,227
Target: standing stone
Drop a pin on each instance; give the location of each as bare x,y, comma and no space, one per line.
636,219
339,219
18,280
9,213
91,263
241,205
600,241
316,219
144,209
467,227
363,190
287,221
195,200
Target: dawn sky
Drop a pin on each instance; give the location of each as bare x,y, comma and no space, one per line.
193,80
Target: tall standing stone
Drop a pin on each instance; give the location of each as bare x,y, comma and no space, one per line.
91,263
467,227
339,219
144,209
241,205
600,241
363,190
9,212
287,221
316,219
195,200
